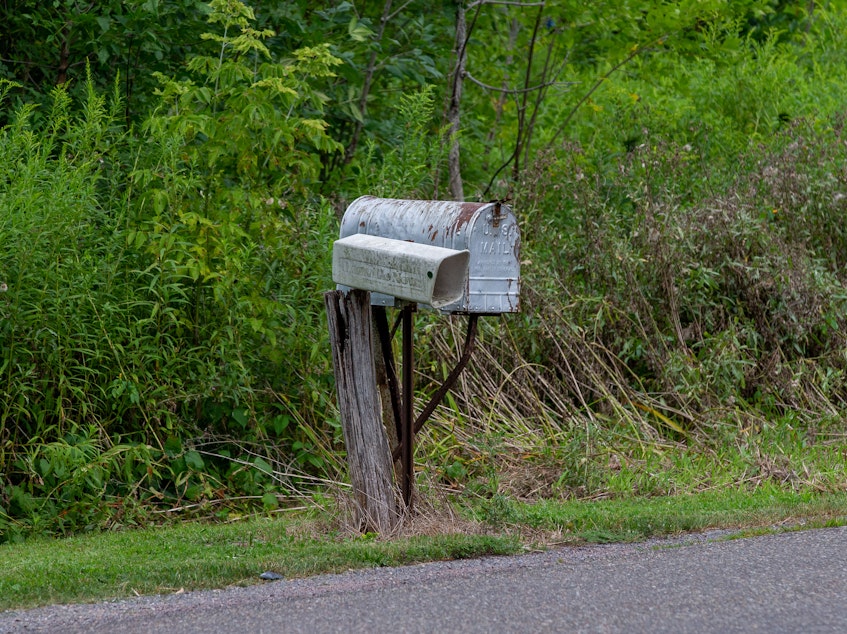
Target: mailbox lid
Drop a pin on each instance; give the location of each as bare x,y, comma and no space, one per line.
489,231
441,223
407,270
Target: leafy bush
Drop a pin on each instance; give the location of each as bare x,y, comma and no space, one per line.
706,293
164,291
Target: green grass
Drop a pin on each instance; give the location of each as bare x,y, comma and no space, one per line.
635,519
197,556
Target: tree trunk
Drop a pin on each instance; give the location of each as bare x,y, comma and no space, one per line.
368,453
64,55
366,86
453,116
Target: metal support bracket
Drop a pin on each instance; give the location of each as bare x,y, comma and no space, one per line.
408,410
404,411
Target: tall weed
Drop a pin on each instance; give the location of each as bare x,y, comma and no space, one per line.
409,165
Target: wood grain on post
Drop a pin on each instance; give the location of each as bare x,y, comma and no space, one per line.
368,454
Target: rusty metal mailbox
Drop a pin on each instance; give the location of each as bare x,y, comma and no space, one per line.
487,231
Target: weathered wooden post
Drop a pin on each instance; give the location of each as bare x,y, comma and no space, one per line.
368,454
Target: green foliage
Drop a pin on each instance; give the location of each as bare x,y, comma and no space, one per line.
232,248
165,284
383,63
60,253
78,482
712,86
704,297
682,292
43,45
410,163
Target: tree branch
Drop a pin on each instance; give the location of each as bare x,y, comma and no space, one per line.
397,12
521,136
516,91
505,2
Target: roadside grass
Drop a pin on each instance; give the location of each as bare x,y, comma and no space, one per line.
194,556
631,519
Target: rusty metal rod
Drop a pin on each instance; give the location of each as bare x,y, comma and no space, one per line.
385,337
467,350
396,324
408,405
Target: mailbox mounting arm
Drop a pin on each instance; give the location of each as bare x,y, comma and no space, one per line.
385,337
449,382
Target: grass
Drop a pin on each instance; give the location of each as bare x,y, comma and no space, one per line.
201,556
635,519
197,556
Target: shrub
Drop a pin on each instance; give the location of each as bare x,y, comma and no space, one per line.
164,292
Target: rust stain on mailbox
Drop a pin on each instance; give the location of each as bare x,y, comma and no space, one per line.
489,231
468,210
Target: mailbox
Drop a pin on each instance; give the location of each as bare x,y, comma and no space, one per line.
488,232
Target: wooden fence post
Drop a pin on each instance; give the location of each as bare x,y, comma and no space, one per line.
368,453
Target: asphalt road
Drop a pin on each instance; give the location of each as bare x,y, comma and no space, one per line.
790,582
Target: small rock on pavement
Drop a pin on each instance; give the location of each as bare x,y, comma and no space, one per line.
271,576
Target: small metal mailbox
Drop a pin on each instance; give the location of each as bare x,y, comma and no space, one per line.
487,231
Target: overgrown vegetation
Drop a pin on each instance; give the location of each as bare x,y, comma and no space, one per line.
678,171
